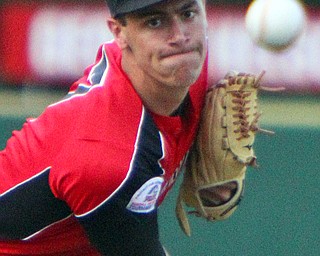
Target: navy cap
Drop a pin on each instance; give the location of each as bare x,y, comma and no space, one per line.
117,7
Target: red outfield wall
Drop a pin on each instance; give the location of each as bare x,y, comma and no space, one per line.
53,43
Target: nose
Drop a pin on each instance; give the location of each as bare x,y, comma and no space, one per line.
178,32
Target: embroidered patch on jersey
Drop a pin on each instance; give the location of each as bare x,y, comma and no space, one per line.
145,199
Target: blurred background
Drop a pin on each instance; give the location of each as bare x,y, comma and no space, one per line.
46,45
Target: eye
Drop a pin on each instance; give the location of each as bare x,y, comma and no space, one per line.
154,22
189,14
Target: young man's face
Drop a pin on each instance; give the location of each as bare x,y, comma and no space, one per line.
167,41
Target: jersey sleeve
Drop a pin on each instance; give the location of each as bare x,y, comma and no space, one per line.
30,150
26,201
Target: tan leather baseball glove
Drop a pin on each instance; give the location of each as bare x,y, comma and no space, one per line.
222,150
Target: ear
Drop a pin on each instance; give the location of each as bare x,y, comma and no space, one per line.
118,32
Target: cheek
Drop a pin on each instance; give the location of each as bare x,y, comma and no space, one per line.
145,58
200,27
145,53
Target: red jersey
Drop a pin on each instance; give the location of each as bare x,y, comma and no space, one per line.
86,176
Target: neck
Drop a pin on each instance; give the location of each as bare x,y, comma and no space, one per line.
163,101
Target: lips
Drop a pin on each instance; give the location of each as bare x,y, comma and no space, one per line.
177,52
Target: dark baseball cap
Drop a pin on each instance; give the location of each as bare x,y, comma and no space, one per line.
118,7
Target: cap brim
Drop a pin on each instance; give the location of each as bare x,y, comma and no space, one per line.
133,5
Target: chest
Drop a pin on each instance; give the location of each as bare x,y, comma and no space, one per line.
135,172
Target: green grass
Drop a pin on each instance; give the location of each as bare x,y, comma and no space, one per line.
278,109
290,110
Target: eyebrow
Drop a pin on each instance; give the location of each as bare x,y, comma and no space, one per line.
153,11
189,5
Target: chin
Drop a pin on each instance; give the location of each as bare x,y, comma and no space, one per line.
183,82
187,77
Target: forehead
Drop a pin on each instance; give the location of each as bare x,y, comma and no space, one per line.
166,6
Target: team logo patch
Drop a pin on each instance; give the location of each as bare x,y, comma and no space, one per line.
145,199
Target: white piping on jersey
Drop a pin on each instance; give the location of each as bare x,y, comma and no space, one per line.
73,94
25,181
104,58
163,153
43,229
129,171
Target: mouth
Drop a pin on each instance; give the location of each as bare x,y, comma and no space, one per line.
175,53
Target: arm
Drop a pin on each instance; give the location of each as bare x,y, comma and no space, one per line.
26,201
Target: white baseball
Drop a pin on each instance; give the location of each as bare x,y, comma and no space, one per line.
275,24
